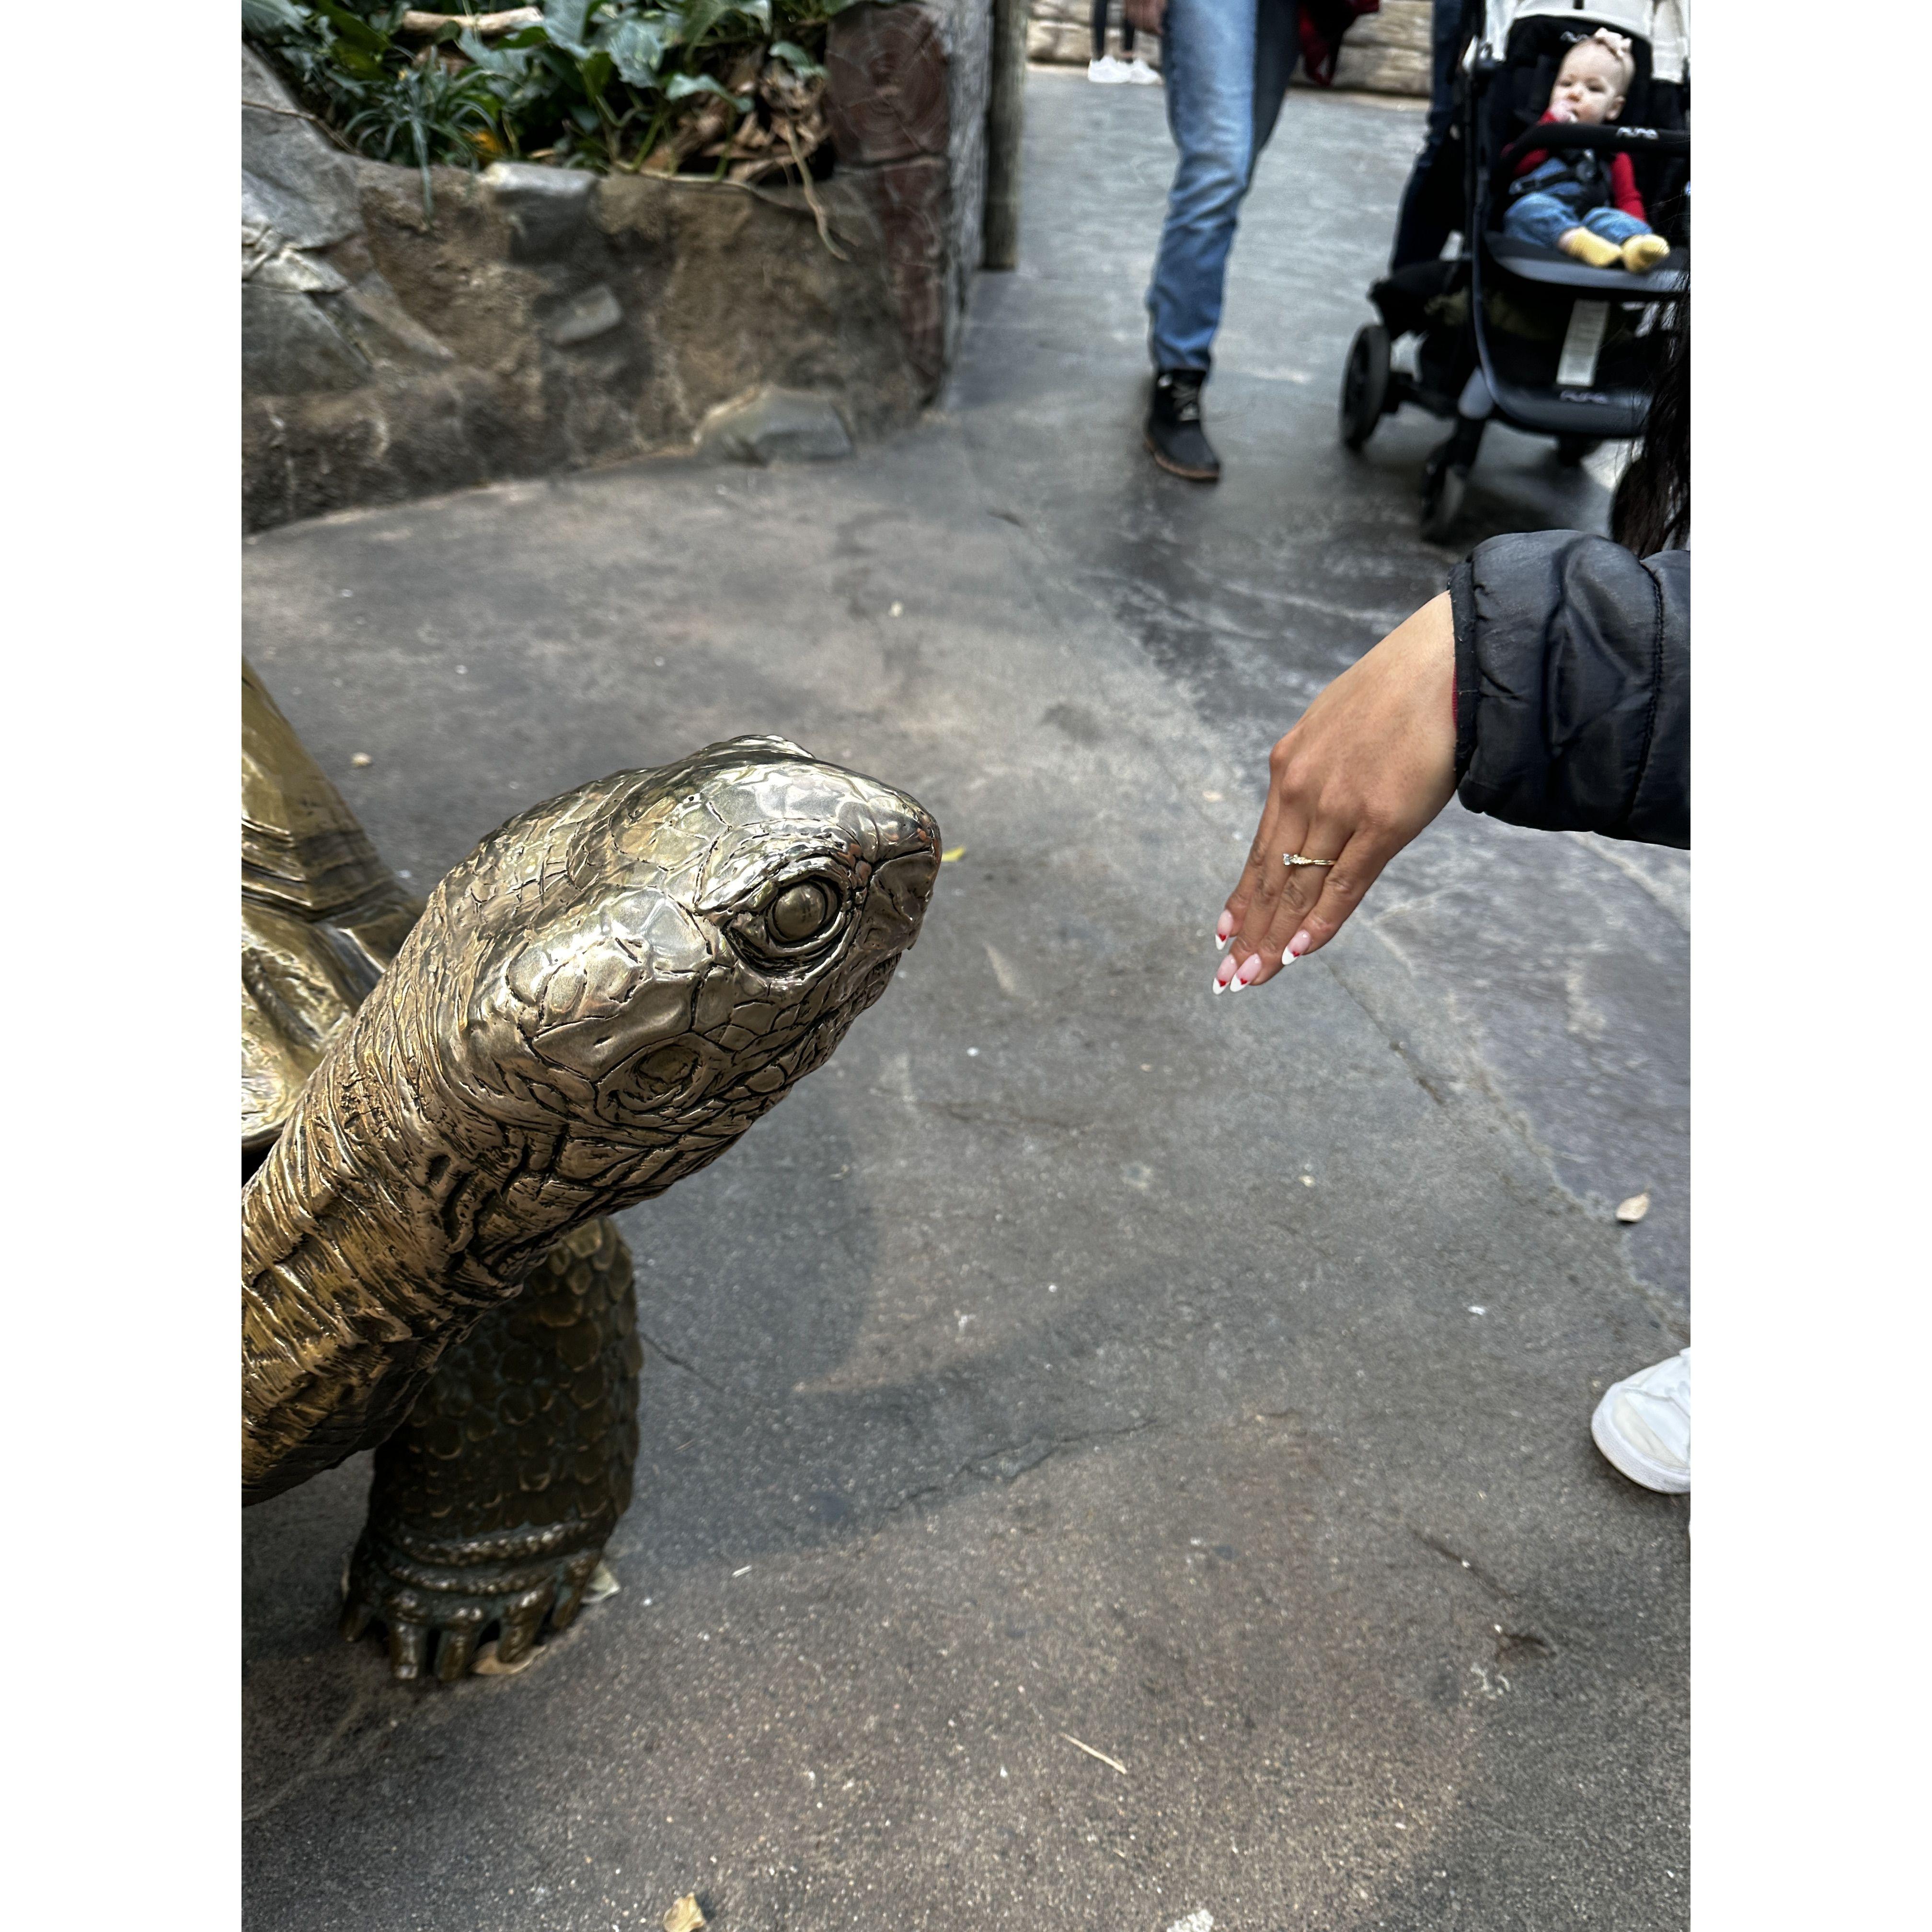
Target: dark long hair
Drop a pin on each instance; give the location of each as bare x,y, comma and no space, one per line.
1650,511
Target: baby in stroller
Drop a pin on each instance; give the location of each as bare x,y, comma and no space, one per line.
1585,204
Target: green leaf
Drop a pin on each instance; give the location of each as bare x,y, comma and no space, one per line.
565,22
269,20
699,18
638,48
356,32
796,58
353,60
511,63
681,86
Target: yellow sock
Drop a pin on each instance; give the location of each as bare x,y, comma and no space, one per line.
1590,248
1642,252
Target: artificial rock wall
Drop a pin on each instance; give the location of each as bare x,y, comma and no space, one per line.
546,319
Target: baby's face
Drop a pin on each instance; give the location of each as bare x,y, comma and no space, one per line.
1589,86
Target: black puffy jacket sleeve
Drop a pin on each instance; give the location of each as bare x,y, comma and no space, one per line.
1573,685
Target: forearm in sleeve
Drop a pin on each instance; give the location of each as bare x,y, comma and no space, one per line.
1573,686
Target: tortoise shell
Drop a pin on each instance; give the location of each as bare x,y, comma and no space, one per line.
321,916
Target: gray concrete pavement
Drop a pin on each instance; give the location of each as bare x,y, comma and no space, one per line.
1078,1356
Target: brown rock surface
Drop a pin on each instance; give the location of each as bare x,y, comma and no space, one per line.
542,320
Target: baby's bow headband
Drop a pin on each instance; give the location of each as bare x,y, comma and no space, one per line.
1619,45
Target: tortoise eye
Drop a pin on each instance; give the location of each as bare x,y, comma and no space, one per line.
801,911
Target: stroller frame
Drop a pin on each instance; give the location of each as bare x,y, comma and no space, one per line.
1509,330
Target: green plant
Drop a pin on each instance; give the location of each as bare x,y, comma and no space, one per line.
382,97
426,111
717,86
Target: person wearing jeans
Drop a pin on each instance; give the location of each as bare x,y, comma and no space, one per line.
1225,65
1420,230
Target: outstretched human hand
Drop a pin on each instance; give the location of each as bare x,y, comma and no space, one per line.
1145,16
1372,761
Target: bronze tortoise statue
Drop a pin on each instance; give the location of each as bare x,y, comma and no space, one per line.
442,1102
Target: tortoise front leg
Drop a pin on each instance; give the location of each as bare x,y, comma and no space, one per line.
492,1503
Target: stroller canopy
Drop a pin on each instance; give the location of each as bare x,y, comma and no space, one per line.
1664,24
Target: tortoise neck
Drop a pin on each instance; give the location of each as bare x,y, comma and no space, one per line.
378,1226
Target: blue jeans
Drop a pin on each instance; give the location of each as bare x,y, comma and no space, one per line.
1225,65
1547,215
1419,229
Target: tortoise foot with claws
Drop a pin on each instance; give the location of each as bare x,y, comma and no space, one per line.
492,1503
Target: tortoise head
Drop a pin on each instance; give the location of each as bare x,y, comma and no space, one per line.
654,957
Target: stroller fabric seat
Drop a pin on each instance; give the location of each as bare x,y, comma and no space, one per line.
1536,263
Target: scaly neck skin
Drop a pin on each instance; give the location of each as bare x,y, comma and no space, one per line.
390,1213
426,1169
342,1280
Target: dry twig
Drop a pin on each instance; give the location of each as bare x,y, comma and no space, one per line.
811,200
508,23
296,114
1092,1753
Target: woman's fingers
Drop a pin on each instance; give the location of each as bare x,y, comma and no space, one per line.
1258,887
1344,884
1256,879
1262,947
1276,880
1255,951
1300,886
1263,881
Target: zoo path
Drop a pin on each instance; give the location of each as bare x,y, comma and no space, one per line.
1078,1357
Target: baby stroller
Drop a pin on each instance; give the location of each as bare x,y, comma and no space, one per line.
1507,329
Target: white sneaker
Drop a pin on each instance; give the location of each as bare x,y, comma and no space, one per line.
1107,70
1643,1426
1142,75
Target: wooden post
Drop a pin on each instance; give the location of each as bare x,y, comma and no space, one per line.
1005,116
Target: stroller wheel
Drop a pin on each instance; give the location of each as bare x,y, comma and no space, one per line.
1571,450
1442,502
1365,384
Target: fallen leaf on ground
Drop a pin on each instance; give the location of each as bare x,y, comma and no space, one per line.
360,758
947,858
1635,1208
684,1916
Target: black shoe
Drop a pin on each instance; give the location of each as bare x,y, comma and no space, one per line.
1173,431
